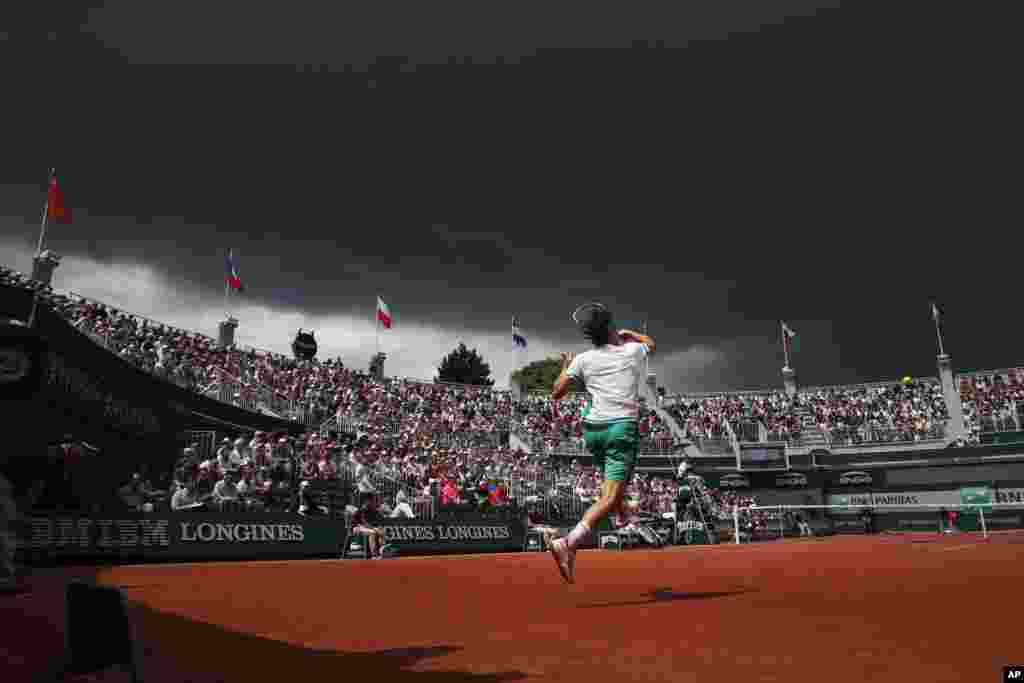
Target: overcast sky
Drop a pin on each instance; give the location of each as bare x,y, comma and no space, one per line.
837,171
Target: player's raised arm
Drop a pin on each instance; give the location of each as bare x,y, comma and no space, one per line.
564,381
630,335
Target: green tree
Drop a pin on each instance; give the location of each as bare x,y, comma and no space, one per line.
540,375
464,366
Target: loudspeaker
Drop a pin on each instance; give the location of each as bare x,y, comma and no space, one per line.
21,361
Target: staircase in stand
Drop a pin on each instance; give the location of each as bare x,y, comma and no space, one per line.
678,433
811,436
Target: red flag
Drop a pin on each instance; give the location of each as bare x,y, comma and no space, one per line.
55,201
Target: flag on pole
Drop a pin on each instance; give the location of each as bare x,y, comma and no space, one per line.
383,313
517,338
234,280
788,338
55,207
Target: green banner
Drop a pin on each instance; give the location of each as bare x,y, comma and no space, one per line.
977,498
1001,438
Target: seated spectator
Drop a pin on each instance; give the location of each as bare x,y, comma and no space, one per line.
402,508
134,494
185,499
307,502
363,522
225,492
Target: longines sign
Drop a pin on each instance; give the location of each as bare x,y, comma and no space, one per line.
174,536
467,535
441,532
210,532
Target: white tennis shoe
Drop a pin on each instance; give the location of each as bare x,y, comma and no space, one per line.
565,559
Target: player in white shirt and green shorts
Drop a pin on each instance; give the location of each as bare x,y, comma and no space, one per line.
612,373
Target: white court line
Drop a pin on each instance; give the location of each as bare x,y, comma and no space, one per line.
960,547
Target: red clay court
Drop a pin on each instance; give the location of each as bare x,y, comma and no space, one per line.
853,608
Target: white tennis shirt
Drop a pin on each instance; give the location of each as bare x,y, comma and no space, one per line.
612,376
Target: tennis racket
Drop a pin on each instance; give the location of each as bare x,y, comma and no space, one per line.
582,314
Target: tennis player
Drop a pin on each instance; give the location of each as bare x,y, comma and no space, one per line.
611,373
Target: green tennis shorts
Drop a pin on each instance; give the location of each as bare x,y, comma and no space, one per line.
615,447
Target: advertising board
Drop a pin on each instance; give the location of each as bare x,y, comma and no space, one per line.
465,535
892,501
1014,497
174,536
763,457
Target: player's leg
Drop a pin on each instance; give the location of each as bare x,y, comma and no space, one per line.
563,553
621,444
564,549
370,536
612,496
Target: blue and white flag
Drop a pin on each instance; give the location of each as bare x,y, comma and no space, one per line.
517,338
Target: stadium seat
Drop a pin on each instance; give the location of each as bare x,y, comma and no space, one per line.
356,546
618,539
534,541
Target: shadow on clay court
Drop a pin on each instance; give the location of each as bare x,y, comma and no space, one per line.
175,649
668,595
180,649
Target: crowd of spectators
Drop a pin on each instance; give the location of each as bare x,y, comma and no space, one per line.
905,411
713,417
272,472
190,360
993,403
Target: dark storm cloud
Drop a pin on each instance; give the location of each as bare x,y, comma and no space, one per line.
316,33
836,171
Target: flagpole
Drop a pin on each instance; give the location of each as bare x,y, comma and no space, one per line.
938,329
647,359
785,343
42,227
39,250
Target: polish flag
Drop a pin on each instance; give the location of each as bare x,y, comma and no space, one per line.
383,313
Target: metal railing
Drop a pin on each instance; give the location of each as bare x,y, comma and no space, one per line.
1005,373
206,443
794,440
715,446
878,435
388,487
750,431
1010,421
150,323
879,384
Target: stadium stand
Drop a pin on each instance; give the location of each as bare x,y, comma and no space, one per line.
833,416
993,402
450,444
